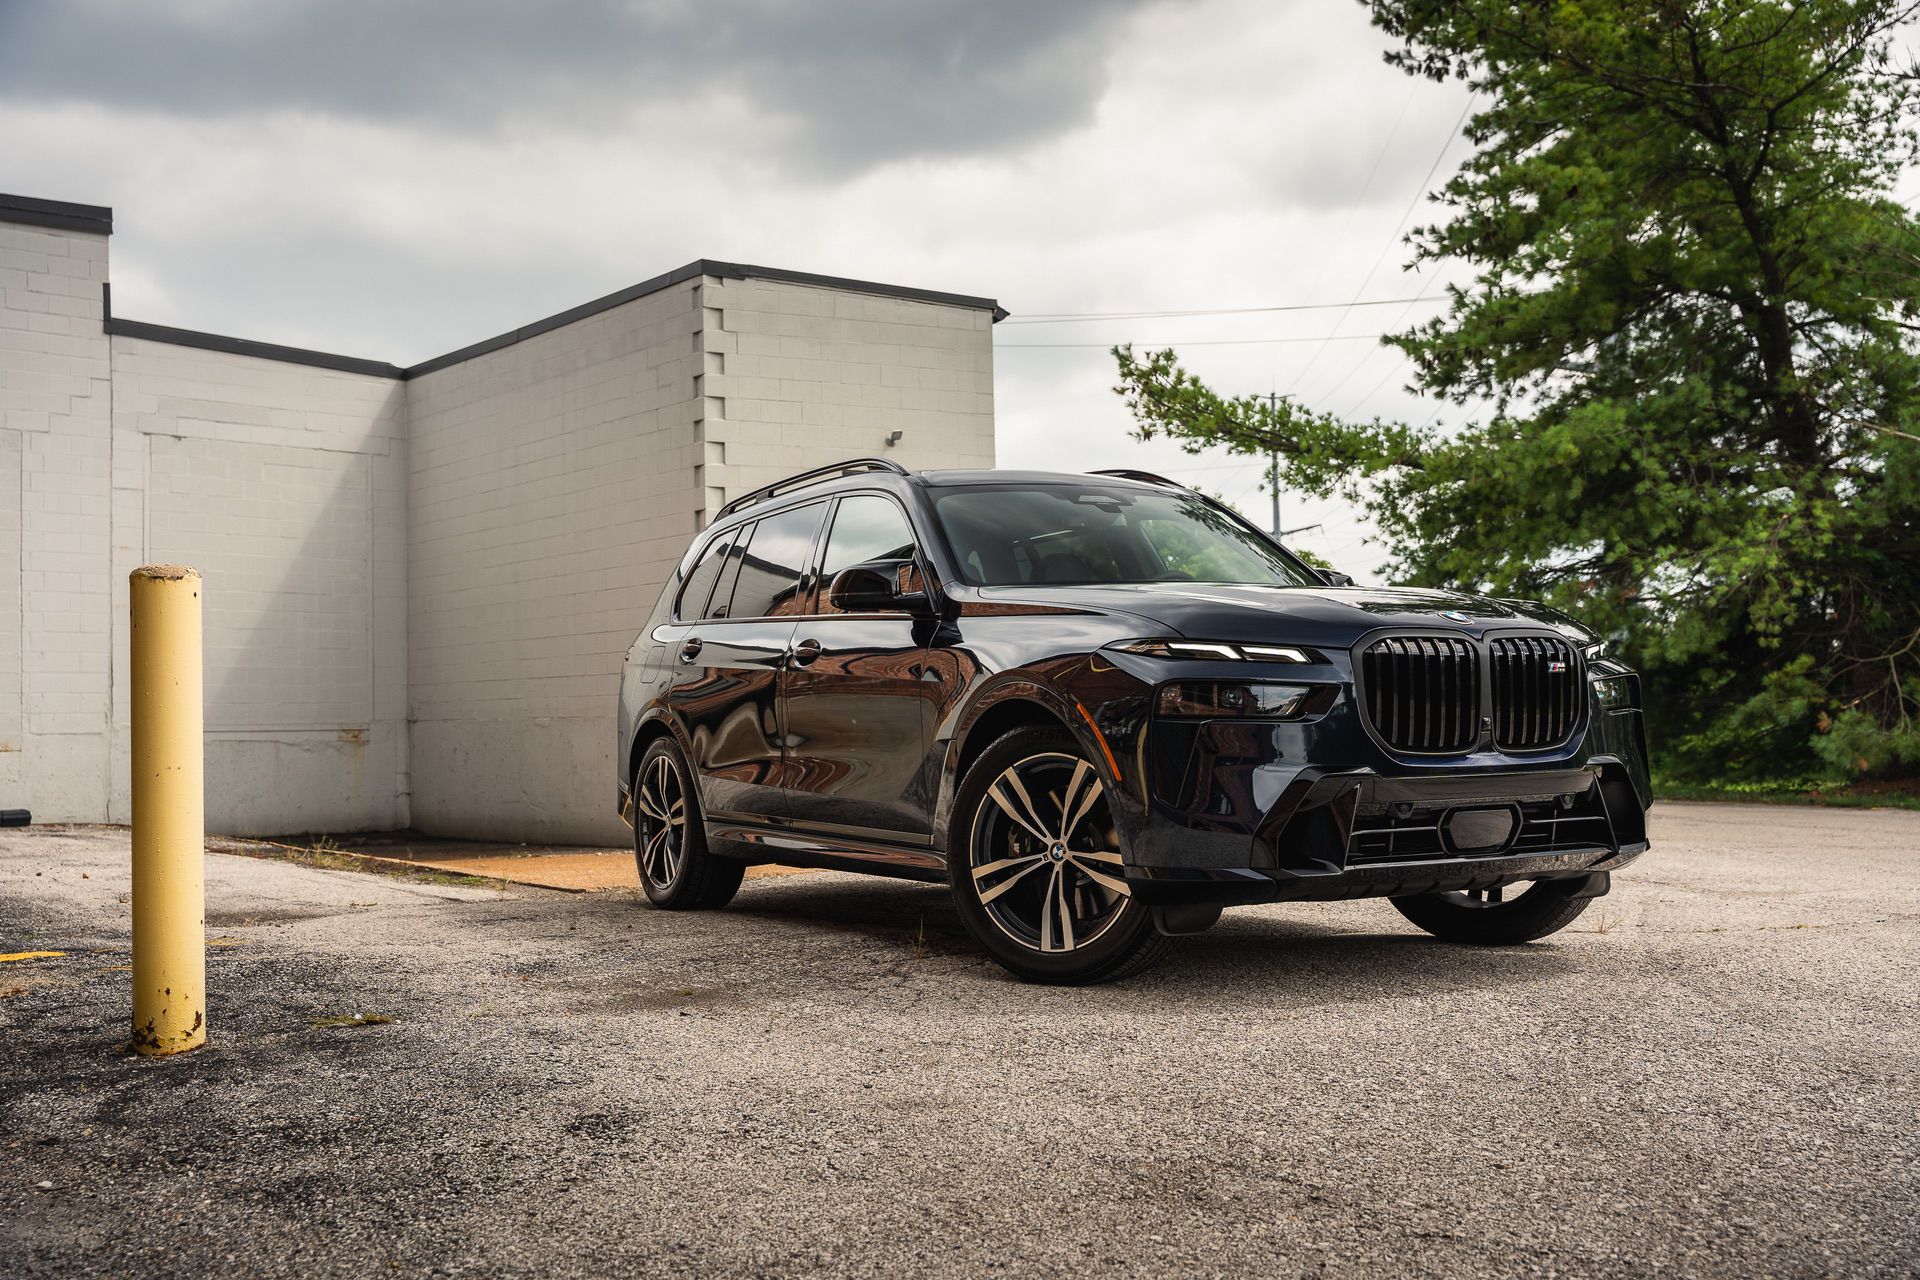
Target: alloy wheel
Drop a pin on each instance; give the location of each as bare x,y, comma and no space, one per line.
1044,854
661,800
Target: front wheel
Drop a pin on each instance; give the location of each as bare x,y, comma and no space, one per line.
670,841
1036,867
1502,916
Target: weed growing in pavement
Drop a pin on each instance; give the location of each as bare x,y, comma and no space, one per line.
325,854
1603,922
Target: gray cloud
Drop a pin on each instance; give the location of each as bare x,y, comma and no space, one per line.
397,180
856,83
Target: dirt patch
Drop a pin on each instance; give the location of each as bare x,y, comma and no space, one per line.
572,869
270,915
576,872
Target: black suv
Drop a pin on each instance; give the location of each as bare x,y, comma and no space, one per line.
1102,707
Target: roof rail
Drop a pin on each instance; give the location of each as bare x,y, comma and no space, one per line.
853,466
1144,477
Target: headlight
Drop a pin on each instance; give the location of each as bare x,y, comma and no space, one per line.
1231,700
1218,650
1614,693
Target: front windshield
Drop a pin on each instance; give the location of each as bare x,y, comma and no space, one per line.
1009,535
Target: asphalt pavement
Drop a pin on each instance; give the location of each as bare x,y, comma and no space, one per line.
1712,1073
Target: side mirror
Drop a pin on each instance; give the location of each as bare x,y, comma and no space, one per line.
878,586
1334,578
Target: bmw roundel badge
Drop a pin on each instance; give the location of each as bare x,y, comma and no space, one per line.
1454,615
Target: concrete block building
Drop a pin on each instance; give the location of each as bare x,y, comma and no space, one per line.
420,581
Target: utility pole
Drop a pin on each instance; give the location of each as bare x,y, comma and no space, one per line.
1273,463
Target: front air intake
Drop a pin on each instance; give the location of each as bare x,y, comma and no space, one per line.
1537,692
1422,693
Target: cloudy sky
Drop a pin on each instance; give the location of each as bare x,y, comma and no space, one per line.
397,179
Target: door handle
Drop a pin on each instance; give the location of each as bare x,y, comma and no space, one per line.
803,653
691,649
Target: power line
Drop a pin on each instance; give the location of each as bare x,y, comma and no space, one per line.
1394,238
1396,327
1352,369
1204,342
1232,463
1381,381
1084,317
1392,369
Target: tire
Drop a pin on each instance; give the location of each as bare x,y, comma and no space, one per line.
1489,918
1048,906
670,838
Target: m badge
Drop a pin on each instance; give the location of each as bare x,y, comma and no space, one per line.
1555,668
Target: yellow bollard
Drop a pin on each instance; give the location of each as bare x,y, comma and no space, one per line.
169,817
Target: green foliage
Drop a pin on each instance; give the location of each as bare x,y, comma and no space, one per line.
1313,558
1692,339
1821,791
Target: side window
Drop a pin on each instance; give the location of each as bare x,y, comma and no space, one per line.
721,606
772,579
865,527
699,584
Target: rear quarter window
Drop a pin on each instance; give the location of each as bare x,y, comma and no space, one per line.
699,584
773,579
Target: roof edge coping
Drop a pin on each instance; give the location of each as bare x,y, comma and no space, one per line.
63,215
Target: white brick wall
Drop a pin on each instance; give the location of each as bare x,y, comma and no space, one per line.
282,483
549,498
418,592
797,376
13,773
55,676
556,482
286,486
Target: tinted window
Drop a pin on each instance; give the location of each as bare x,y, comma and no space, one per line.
771,575
693,596
864,528
722,604
1006,535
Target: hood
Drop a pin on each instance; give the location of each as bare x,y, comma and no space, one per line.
1332,617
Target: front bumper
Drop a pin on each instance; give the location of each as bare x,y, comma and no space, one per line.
1353,833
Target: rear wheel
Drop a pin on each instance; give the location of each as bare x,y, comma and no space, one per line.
670,841
1035,865
1502,916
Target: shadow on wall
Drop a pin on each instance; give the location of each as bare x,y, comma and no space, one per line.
303,553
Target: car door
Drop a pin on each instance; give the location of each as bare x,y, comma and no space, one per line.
860,701
729,662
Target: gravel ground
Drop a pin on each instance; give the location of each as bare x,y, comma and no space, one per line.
1713,1073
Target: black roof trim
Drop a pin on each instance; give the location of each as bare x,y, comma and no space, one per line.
381,369
692,271
31,211
741,271
240,346
558,320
